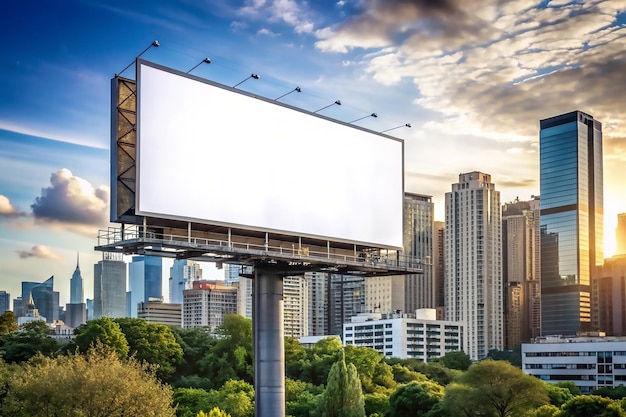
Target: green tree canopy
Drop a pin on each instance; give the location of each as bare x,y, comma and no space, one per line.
558,395
152,342
494,388
231,355
31,339
343,396
8,322
215,412
190,401
95,384
455,360
415,399
591,405
104,331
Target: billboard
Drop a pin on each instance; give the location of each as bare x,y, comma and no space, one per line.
213,154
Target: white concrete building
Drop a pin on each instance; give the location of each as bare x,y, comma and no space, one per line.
473,263
418,335
588,362
207,302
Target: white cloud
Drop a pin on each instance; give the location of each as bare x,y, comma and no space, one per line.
38,251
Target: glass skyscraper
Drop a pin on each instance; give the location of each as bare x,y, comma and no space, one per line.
571,219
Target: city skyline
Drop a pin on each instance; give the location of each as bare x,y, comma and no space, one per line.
476,79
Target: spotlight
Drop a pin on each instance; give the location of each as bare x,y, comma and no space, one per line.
364,117
397,127
255,76
205,60
337,102
155,44
297,89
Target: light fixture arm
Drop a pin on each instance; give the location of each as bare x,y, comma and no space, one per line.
397,127
255,76
205,60
154,43
297,89
337,102
364,117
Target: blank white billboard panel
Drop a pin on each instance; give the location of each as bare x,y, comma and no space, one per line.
211,154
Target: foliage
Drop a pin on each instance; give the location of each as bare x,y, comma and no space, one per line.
319,359
571,387
376,403
8,322
31,339
512,356
546,410
295,357
98,383
231,355
591,405
153,343
494,388
433,370
615,393
558,395
301,398
236,397
215,412
195,343
403,375
455,360
103,331
190,401
415,399
343,396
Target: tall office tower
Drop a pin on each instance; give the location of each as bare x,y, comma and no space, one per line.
473,264
385,294
5,301
571,219
145,275
77,295
89,303
620,234
608,292
318,303
419,213
437,262
45,298
346,298
182,273
109,286
244,296
231,273
295,306
521,266
206,303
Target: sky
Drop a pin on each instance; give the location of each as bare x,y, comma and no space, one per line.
471,77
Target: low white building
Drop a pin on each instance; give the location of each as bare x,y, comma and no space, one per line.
589,362
417,335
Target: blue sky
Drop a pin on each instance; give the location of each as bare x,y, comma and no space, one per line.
473,77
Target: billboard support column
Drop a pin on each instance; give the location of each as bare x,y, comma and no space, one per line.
269,345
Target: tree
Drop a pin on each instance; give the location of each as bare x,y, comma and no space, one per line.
104,331
32,339
152,342
97,383
455,360
546,410
614,393
190,401
591,405
196,343
8,322
231,356
320,358
236,397
215,412
415,399
558,395
494,388
343,396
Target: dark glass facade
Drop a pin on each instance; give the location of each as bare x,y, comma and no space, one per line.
571,219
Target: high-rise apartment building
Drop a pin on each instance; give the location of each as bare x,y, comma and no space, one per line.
437,261
419,217
295,306
109,286
521,266
206,303
571,219
317,284
182,273
346,298
145,276
608,297
473,264
5,301
620,234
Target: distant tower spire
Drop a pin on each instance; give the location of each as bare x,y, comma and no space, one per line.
76,284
